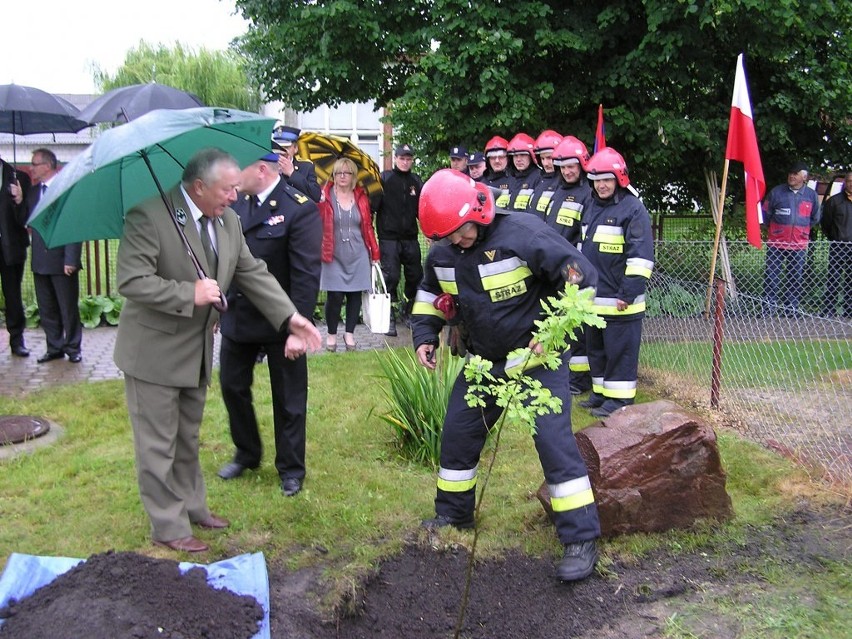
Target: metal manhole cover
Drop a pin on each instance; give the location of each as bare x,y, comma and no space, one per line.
15,429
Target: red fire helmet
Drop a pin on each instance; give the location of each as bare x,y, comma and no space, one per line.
450,199
608,163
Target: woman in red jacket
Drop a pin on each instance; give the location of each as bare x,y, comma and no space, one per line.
348,247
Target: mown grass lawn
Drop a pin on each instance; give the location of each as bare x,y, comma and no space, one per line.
361,500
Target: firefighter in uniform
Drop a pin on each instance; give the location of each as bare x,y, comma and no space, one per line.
618,241
524,171
497,175
489,276
549,180
565,212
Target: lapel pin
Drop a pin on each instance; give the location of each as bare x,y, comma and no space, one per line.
180,215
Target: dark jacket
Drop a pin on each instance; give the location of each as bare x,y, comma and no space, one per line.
396,217
13,217
497,284
837,217
286,233
50,261
544,190
304,179
522,187
618,241
567,207
502,182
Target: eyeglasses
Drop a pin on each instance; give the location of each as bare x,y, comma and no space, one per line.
344,173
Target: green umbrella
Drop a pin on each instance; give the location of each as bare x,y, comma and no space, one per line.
87,200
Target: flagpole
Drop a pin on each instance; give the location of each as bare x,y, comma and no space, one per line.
718,214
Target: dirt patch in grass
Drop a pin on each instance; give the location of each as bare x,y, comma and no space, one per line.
416,594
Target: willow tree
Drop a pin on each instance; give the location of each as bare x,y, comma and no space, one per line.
218,78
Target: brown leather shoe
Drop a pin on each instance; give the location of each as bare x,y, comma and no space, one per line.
213,521
184,544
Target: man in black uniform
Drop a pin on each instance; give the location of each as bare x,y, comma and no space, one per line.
476,166
524,171
837,226
458,159
300,174
545,143
497,175
496,268
396,228
282,227
618,241
565,211
14,241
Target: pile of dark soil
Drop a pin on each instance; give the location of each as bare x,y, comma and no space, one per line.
122,594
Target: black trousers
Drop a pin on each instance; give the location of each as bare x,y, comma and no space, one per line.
466,429
11,276
405,255
333,305
289,382
613,354
839,279
58,297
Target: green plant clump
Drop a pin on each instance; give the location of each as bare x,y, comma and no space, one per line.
97,308
418,398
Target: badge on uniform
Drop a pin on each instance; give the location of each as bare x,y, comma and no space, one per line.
301,199
273,204
180,216
275,219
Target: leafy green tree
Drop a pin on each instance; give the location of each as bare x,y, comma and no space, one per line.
218,78
456,71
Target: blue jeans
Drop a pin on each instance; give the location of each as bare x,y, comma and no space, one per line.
775,259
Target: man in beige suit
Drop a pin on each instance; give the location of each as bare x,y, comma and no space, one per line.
165,336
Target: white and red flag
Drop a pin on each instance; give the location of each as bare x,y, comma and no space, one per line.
742,147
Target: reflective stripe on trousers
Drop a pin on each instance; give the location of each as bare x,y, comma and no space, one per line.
464,435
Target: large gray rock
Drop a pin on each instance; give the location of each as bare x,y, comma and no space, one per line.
653,467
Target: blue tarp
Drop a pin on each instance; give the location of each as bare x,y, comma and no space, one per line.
243,574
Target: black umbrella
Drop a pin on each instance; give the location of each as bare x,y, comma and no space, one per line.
27,110
128,103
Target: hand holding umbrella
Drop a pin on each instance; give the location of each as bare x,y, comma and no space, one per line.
88,199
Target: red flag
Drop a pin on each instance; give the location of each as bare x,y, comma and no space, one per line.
742,147
600,136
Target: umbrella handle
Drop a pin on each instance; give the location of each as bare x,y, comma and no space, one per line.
222,304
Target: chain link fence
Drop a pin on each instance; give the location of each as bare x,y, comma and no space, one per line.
785,373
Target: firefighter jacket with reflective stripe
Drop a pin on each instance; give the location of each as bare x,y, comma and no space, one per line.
498,284
544,190
618,241
790,216
566,209
522,187
503,183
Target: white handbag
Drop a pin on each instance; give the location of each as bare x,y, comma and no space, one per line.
376,303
